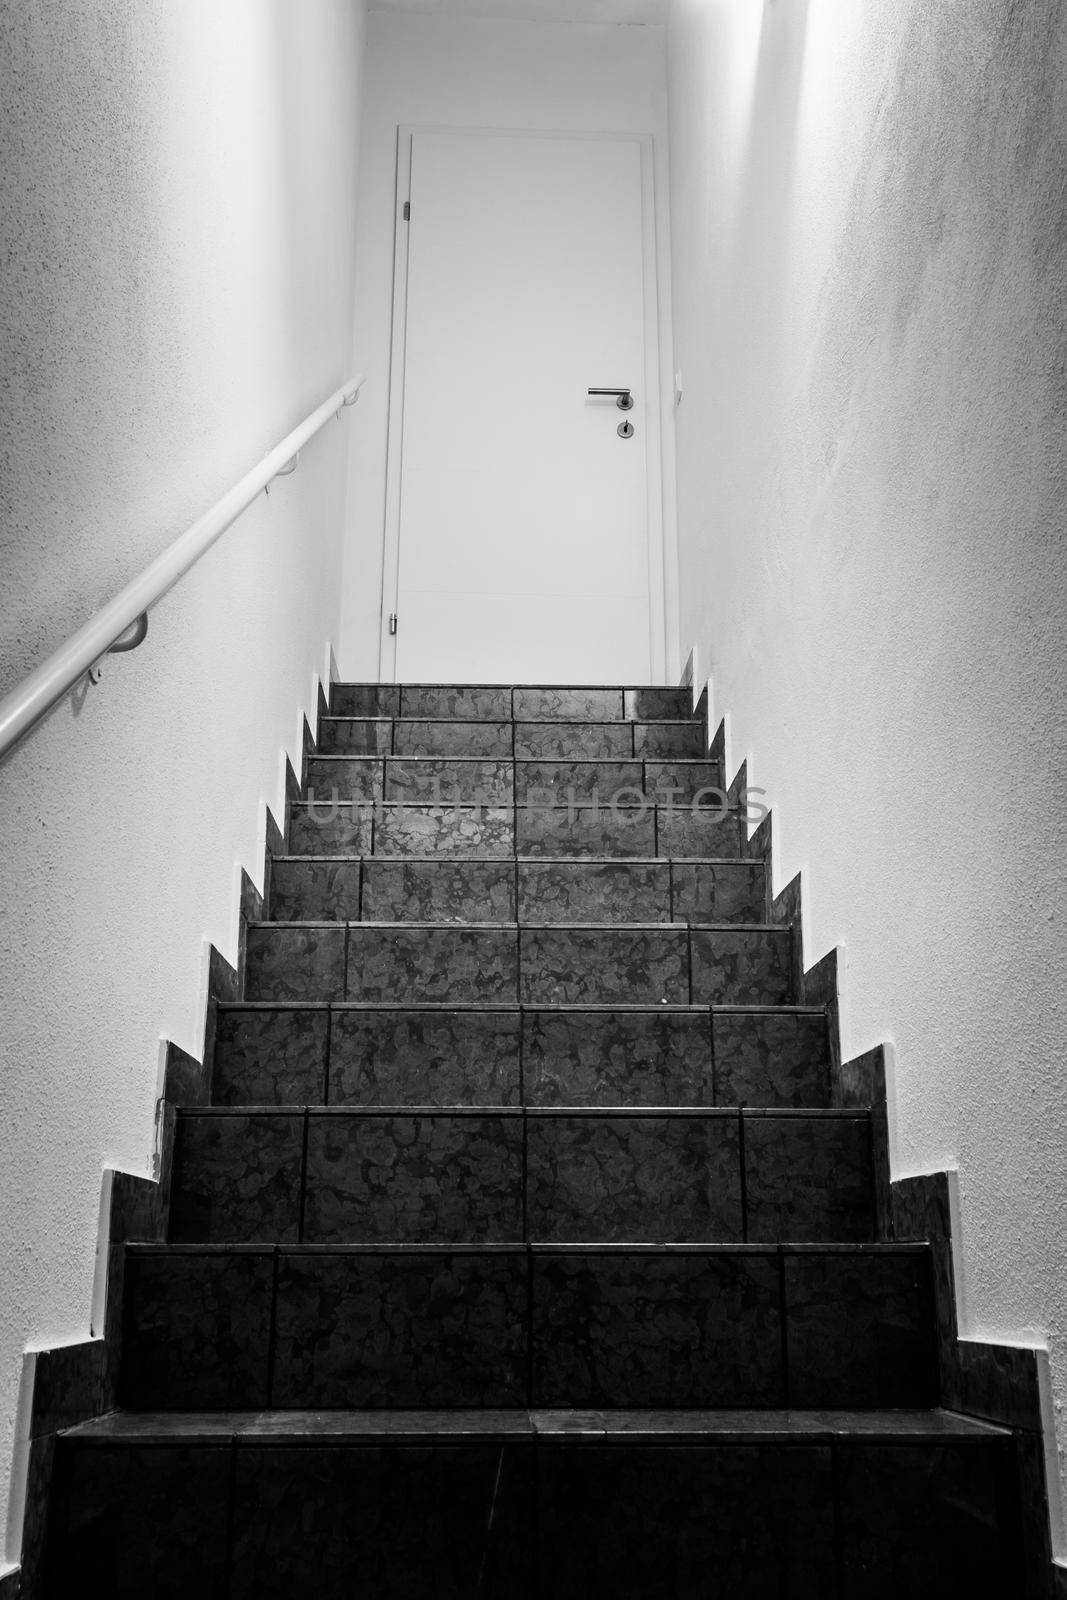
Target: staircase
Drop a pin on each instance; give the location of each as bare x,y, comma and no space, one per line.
521,1252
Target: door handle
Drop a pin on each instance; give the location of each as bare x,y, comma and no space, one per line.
625,400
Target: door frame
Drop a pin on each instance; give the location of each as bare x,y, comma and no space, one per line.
654,467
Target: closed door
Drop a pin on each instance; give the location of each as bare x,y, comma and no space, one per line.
518,528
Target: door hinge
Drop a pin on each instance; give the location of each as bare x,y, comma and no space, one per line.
392,621
407,210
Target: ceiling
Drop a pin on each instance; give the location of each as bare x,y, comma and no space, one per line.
632,11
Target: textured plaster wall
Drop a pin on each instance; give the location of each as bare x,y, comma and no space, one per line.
482,72
870,292
178,222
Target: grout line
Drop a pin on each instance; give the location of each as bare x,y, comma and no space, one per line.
835,1489
303,1178
742,1157
344,975
231,1515
784,1328
272,1337
529,1328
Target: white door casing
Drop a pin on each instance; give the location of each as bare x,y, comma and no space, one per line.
523,537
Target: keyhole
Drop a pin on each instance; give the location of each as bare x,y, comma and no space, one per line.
626,429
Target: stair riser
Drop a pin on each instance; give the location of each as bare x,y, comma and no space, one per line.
332,827
637,1521
343,1178
486,782
492,891
738,1328
574,741
534,966
463,702
283,1056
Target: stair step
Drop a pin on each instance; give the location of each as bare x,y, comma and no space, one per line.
430,889
459,1175
486,781
349,1054
329,827
246,1326
526,740
639,1505
502,703
730,963
934,1426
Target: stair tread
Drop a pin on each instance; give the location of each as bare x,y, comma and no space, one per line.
340,1427
492,1109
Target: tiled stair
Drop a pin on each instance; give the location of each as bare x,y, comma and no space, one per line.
521,1252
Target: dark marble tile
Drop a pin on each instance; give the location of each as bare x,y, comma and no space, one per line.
594,891
859,1329
337,779
136,1521
447,1058
66,1385
765,1058
726,891
295,963
686,1522
561,966
405,1329
427,964
439,891
40,1513
139,1205
654,1179
383,1523
685,784
449,738
568,705
365,700
606,784
314,891
645,705
352,736
326,829
742,966
644,1329
196,1329
1025,1514
617,1058
924,1521
808,1179
237,1179
448,831
663,740
705,833
586,831
573,741
456,702
997,1381
435,1179
440,781
270,1058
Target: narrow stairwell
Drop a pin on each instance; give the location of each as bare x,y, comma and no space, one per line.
521,1252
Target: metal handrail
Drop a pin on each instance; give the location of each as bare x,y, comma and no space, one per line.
128,612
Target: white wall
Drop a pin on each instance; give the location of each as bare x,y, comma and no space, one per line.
177,221
457,71
870,293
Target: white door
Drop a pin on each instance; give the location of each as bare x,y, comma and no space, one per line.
519,540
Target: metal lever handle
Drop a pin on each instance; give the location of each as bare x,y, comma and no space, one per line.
625,401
